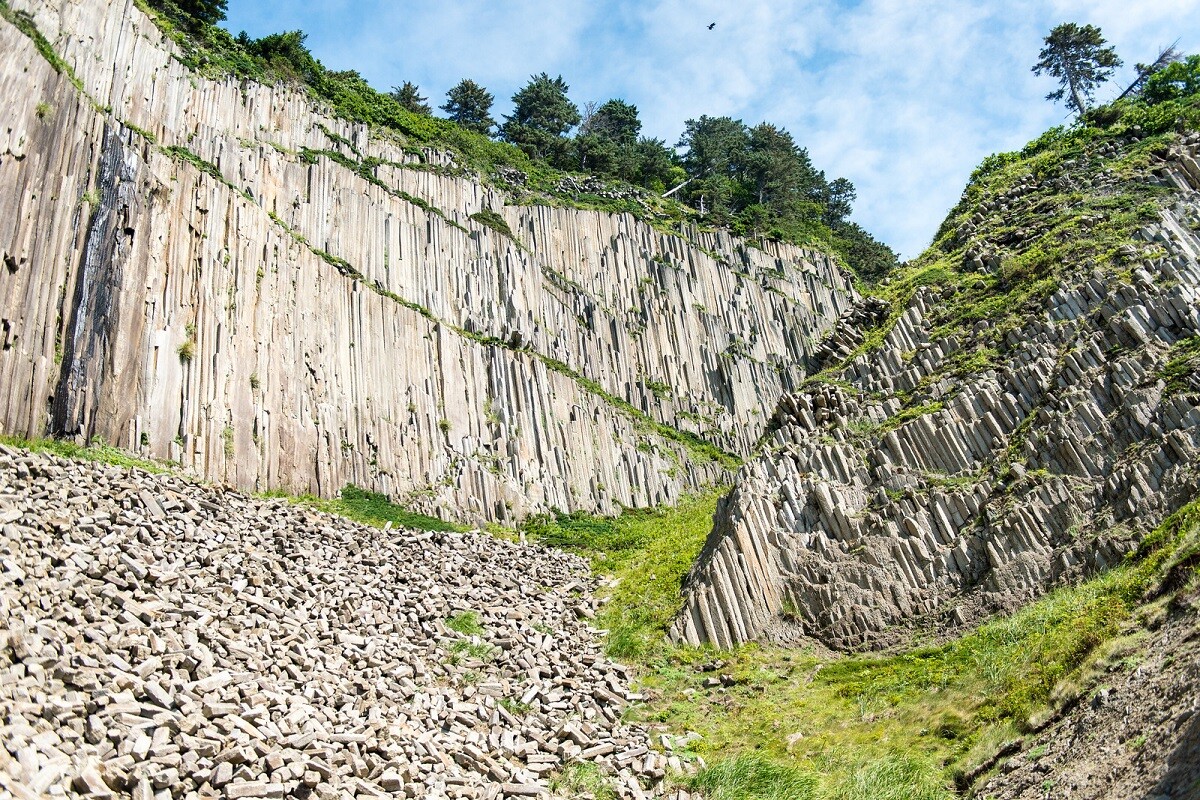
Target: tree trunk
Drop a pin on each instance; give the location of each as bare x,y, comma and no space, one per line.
1080,105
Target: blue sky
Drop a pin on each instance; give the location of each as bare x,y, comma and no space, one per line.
902,97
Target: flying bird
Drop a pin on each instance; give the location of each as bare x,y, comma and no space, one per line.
712,25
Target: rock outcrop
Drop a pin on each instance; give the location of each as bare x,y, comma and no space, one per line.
160,638
219,273
913,489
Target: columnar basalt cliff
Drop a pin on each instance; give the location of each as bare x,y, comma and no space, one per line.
927,480
220,274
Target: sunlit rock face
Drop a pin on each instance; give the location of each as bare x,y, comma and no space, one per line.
862,524
221,274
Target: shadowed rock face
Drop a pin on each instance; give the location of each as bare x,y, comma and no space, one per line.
210,274
858,526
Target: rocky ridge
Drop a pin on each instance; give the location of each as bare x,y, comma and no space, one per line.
220,273
161,638
908,489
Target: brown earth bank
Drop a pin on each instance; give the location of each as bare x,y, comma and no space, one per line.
1135,737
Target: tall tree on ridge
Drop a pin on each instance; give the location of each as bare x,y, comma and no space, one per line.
470,105
409,96
542,115
1077,57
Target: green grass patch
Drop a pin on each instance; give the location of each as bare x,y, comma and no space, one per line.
96,451
752,777
466,623
646,552
375,509
490,219
369,508
909,725
1183,366
582,779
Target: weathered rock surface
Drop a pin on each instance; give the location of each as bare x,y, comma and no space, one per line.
862,521
221,274
159,638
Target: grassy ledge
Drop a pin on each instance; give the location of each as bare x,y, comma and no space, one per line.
369,508
97,451
643,555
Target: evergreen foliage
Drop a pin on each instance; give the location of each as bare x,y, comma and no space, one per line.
1076,56
409,97
203,12
470,105
542,116
1177,80
761,184
758,183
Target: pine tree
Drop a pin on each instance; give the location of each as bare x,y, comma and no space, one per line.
1077,57
409,96
470,105
541,117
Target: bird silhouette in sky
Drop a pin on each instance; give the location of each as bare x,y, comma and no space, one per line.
712,25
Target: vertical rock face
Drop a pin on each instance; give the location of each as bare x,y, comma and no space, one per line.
219,273
866,519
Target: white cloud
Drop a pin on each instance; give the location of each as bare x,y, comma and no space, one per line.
903,98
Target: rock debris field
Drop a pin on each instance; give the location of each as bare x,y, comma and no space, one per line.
164,639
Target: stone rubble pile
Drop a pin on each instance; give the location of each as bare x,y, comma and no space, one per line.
869,515
162,639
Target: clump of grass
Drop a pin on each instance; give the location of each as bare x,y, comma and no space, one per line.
490,219
1182,368
580,778
646,552
480,651
375,509
895,777
753,777
466,623
369,508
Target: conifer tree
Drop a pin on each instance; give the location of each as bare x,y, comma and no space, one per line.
1077,57
470,105
541,117
409,96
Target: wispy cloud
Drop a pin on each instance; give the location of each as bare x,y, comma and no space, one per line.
903,98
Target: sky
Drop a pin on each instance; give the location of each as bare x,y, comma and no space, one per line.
902,97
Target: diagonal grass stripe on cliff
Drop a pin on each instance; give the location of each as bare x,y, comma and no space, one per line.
24,23
700,448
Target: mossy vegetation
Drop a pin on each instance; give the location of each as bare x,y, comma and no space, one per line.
644,554
370,508
96,451
1182,372
918,724
1068,206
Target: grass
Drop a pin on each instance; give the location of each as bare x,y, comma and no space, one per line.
466,623
751,777
97,451
582,778
370,508
1183,367
645,553
913,724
